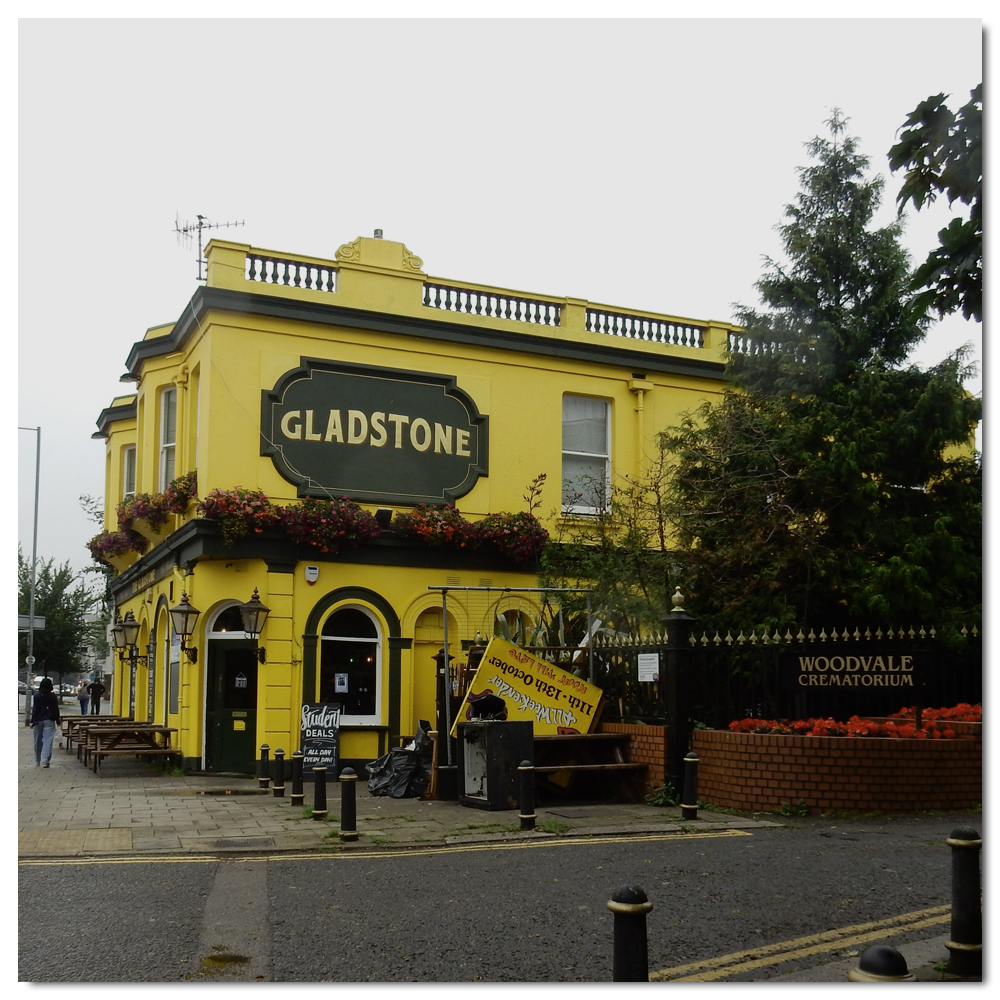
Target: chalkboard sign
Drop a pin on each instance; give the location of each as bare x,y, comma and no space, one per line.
320,738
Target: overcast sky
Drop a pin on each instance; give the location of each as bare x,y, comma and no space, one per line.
636,163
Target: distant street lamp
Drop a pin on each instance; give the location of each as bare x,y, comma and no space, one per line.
29,660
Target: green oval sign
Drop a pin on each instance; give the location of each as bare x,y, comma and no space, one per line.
377,435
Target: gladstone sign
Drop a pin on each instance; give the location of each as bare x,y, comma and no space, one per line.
377,435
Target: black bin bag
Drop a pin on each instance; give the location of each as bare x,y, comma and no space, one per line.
402,773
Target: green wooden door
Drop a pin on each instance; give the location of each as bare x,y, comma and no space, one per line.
231,716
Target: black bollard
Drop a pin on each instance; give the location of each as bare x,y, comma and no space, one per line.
881,964
319,793
631,958
263,779
689,803
349,805
298,796
278,787
526,773
966,944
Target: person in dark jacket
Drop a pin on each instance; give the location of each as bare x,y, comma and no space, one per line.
44,719
96,692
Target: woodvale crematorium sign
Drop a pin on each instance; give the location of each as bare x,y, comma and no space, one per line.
826,667
376,435
533,690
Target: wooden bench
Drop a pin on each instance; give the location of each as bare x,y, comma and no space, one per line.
71,726
137,740
136,751
560,759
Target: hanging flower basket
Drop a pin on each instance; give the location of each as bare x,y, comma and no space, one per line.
518,537
239,512
145,508
179,494
329,525
117,548
148,513
433,525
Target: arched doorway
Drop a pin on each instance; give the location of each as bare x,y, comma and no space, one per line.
231,695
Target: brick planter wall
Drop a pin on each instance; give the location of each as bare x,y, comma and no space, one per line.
648,746
758,773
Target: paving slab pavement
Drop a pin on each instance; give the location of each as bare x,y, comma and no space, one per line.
67,810
138,809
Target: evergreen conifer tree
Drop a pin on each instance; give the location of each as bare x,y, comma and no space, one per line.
833,483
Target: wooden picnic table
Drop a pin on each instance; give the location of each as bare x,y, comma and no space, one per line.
73,725
139,739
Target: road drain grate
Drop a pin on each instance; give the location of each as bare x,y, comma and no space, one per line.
246,842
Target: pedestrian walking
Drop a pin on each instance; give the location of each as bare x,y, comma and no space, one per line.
43,721
96,692
83,694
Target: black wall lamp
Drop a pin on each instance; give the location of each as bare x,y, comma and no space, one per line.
125,637
254,614
184,618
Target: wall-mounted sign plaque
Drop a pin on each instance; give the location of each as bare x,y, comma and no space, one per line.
377,435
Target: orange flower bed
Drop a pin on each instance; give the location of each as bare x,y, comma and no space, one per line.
934,724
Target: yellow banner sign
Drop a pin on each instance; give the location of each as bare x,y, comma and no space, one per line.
552,699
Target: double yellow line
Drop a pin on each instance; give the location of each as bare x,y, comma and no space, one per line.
805,947
385,852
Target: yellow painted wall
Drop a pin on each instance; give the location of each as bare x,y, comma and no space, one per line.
220,373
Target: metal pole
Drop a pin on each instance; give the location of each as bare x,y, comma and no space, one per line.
526,772
278,770
263,778
298,795
631,958
590,644
349,805
30,659
319,793
966,943
445,685
689,801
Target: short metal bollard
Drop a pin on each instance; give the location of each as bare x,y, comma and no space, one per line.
881,964
319,793
278,771
263,778
631,955
349,804
298,795
526,800
689,801
966,944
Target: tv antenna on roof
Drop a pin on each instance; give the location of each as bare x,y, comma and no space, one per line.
184,235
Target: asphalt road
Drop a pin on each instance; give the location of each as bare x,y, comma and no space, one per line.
497,913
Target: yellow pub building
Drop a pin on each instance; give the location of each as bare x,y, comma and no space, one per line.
360,377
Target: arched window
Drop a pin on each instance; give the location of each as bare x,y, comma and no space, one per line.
229,620
351,665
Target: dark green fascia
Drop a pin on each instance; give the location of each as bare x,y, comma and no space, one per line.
205,300
201,539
